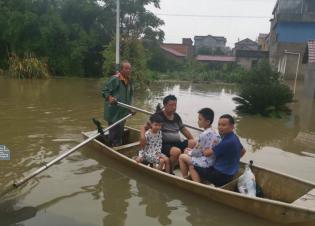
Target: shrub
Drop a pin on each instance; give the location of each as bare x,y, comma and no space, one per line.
261,92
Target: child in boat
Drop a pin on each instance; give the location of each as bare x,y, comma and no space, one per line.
152,153
207,139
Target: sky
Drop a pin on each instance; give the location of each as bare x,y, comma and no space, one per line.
233,19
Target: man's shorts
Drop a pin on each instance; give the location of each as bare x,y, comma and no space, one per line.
166,147
212,175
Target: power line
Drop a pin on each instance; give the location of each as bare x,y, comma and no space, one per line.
213,16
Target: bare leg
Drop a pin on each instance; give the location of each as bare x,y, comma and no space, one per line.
161,164
184,162
167,164
164,162
139,159
192,143
174,155
194,175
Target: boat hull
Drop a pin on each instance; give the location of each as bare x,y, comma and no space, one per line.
273,210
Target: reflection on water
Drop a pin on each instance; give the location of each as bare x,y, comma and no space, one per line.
155,203
141,200
39,119
115,194
260,133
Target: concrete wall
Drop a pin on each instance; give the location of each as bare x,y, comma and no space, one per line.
245,62
307,100
309,81
277,54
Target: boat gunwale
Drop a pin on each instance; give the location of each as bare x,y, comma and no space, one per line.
207,187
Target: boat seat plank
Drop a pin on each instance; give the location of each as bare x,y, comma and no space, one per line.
126,146
307,200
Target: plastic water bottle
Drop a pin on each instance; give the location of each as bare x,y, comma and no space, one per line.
246,182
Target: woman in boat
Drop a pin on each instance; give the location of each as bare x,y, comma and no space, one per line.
227,156
172,145
207,139
151,153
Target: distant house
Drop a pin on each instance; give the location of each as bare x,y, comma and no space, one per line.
215,61
179,51
185,50
246,44
210,44
292,26
248,54
263,42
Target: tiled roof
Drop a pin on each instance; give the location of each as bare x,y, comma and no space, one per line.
215,58
311,52
246,41
215,37
179,50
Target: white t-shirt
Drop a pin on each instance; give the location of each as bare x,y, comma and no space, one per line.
207,139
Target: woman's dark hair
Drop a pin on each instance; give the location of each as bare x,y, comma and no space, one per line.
169,98
156,118
208,114
158,108
229,117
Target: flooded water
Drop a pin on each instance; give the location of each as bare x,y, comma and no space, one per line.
41,119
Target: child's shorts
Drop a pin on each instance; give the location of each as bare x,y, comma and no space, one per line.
153,159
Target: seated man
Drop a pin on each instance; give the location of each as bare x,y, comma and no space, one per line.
172,124
227,156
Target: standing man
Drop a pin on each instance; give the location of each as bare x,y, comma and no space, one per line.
118,88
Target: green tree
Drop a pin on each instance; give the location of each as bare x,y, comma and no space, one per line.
72,34
138,25
136,20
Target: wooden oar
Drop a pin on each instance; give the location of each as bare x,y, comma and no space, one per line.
150,113
52,162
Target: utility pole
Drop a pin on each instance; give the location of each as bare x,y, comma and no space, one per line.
117,35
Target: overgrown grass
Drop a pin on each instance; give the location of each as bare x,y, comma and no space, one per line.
27,67
229,74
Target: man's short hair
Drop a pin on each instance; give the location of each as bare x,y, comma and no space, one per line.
156,118
208,114
124,62
169,98
229,117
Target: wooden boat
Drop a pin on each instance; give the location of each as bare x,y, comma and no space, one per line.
286,199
